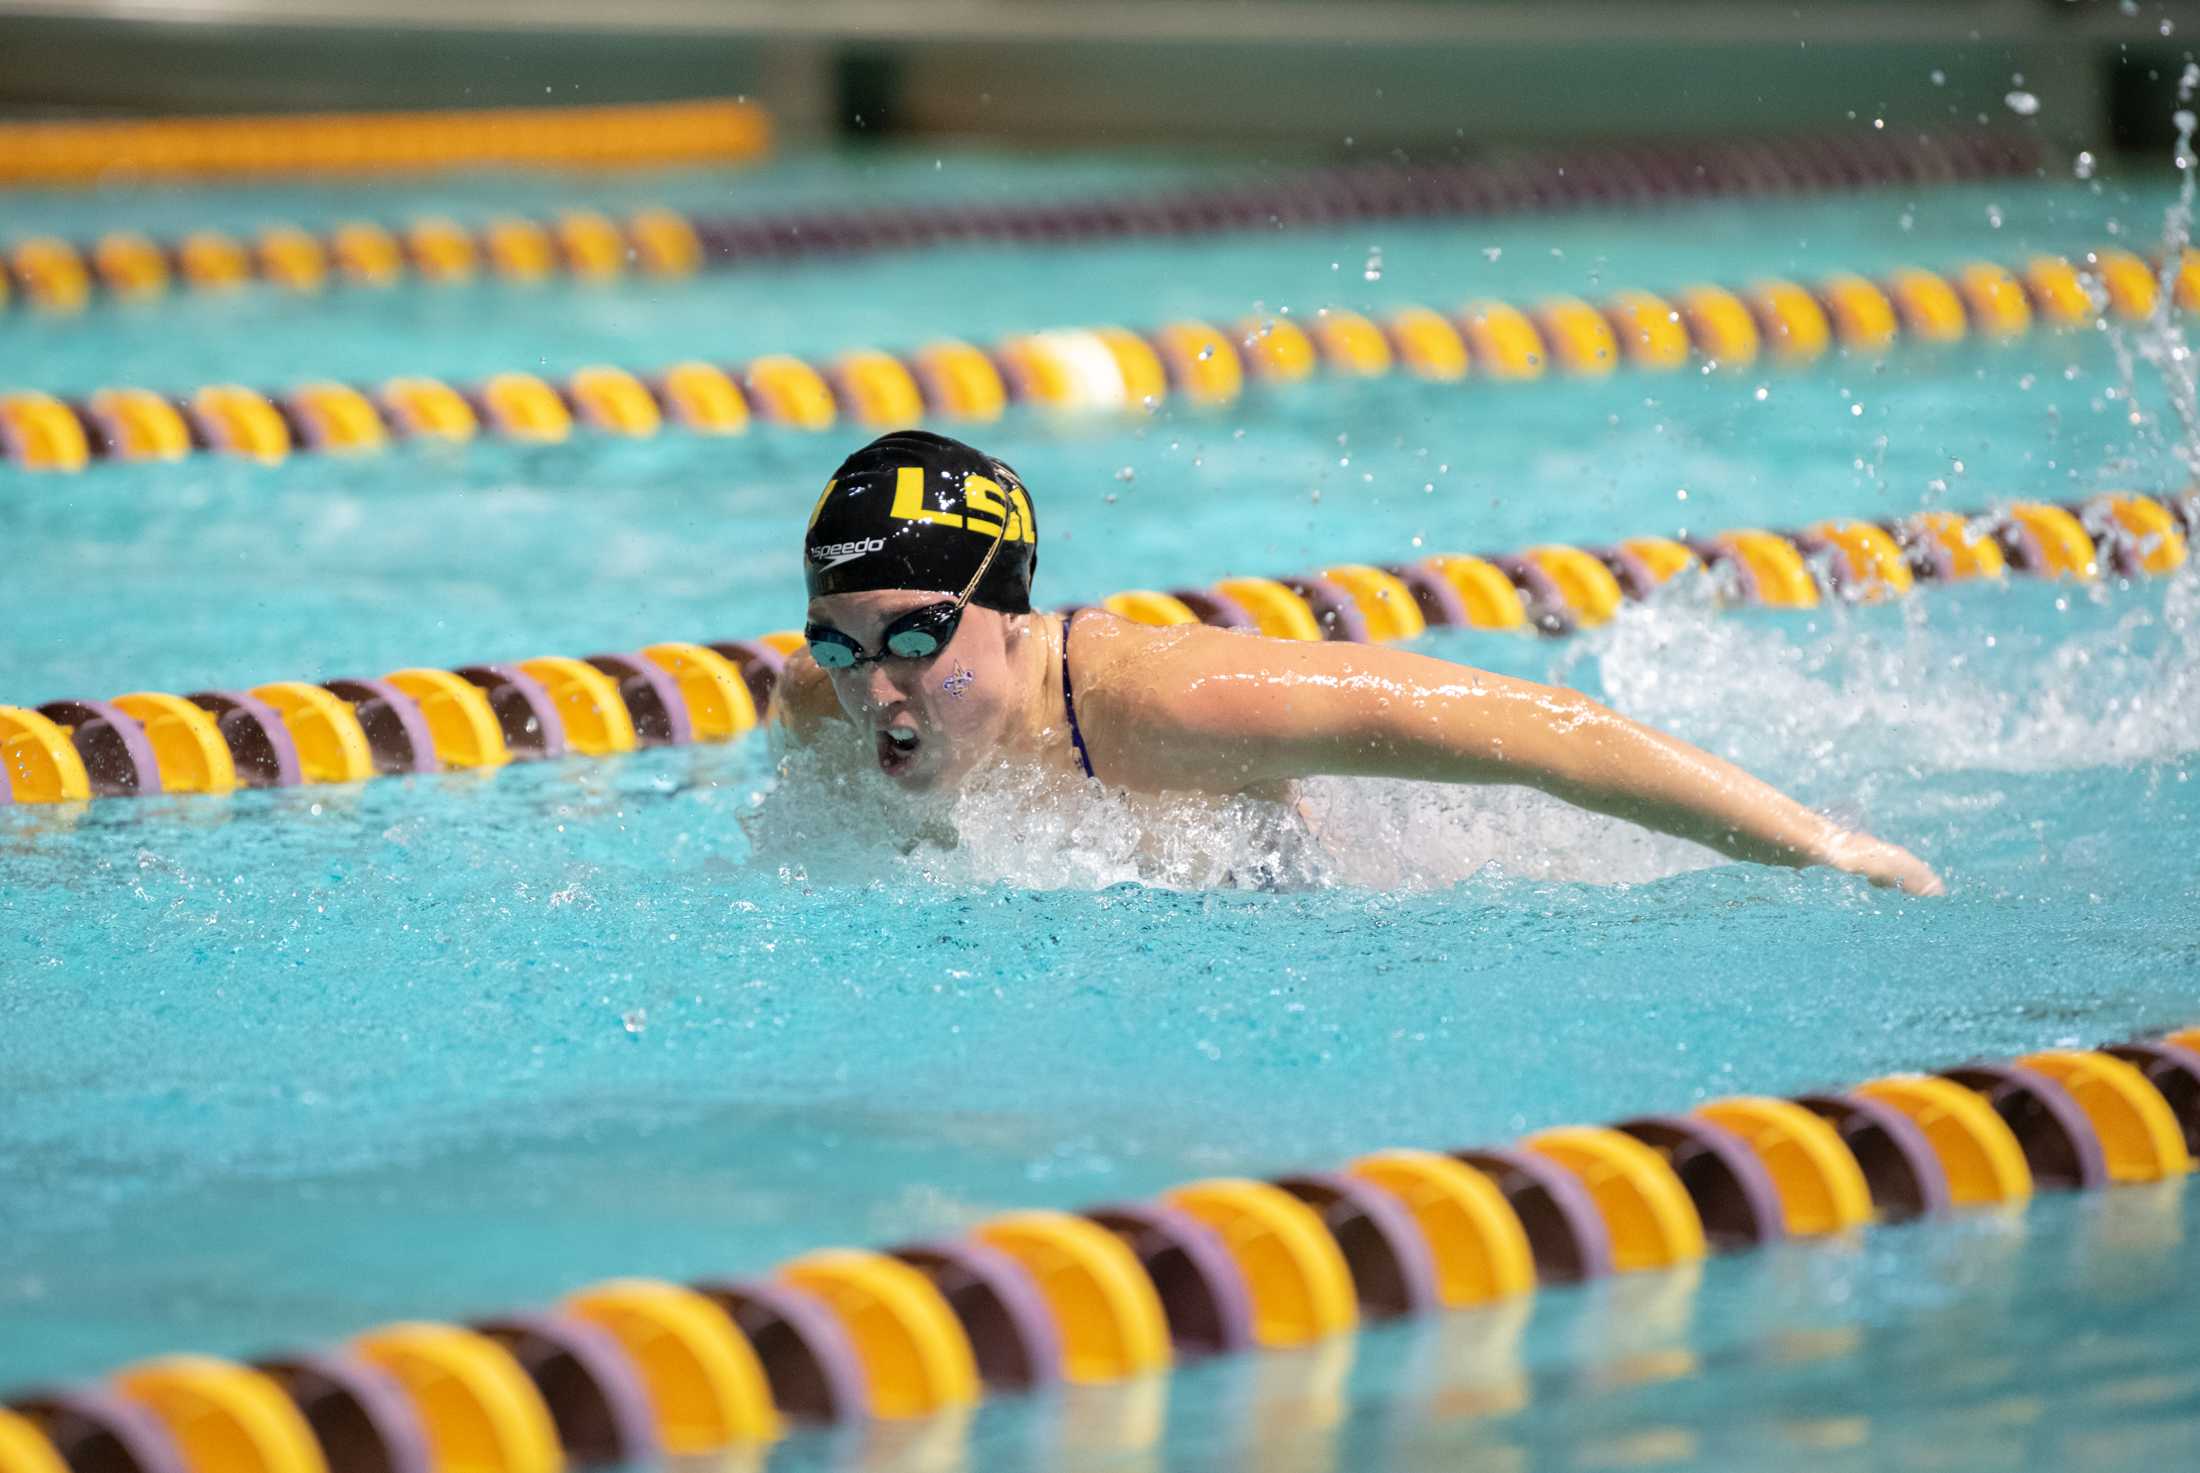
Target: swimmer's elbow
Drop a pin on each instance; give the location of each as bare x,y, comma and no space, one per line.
802,700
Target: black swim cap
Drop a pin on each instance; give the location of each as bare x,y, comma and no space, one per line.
918,510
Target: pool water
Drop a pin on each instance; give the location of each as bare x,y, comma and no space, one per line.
285,1065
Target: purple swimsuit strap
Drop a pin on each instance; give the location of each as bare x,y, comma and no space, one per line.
1069,704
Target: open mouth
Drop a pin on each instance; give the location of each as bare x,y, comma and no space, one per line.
897,748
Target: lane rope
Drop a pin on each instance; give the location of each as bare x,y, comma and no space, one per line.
1118,1295
584,244
1075,372
676,693
628,135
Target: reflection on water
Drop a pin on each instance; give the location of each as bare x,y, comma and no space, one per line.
2001,1343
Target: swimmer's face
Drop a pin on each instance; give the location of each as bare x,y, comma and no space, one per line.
929,721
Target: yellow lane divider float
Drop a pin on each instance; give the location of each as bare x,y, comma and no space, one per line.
677,693
1069,371
714,130
624,1372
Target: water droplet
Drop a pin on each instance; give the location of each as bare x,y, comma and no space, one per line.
1127,473
1206,352
636,1021
1492,253
1373,270
1681,494
2084,165
1940,78
1993,216
1762,394
2024,104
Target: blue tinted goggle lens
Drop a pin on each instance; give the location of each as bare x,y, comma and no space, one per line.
831,654
924,640
916,635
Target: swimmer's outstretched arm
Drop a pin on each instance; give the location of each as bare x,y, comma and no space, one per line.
1222,713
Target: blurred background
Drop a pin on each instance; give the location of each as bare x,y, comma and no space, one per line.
1334,76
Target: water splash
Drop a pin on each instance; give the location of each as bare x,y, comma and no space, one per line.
2161,343
1867,713
1928,693
1025,827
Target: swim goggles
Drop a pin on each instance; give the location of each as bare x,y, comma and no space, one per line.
916,635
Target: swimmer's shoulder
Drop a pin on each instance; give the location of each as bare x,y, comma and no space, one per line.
1103,644
803,699
1134,683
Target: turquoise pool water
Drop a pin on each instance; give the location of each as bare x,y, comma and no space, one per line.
283,1066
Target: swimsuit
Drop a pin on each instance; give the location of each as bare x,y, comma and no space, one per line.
1069,704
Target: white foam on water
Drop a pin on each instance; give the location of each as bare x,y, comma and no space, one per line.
1024,827
1939,691
1030,829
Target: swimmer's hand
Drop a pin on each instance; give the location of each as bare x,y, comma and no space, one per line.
1885,865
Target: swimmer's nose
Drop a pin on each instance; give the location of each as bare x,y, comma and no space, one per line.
879,688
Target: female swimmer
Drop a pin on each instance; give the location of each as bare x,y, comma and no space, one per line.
923,644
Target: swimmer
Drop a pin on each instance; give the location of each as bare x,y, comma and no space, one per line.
926,660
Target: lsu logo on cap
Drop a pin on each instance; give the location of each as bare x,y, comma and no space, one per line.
986,506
